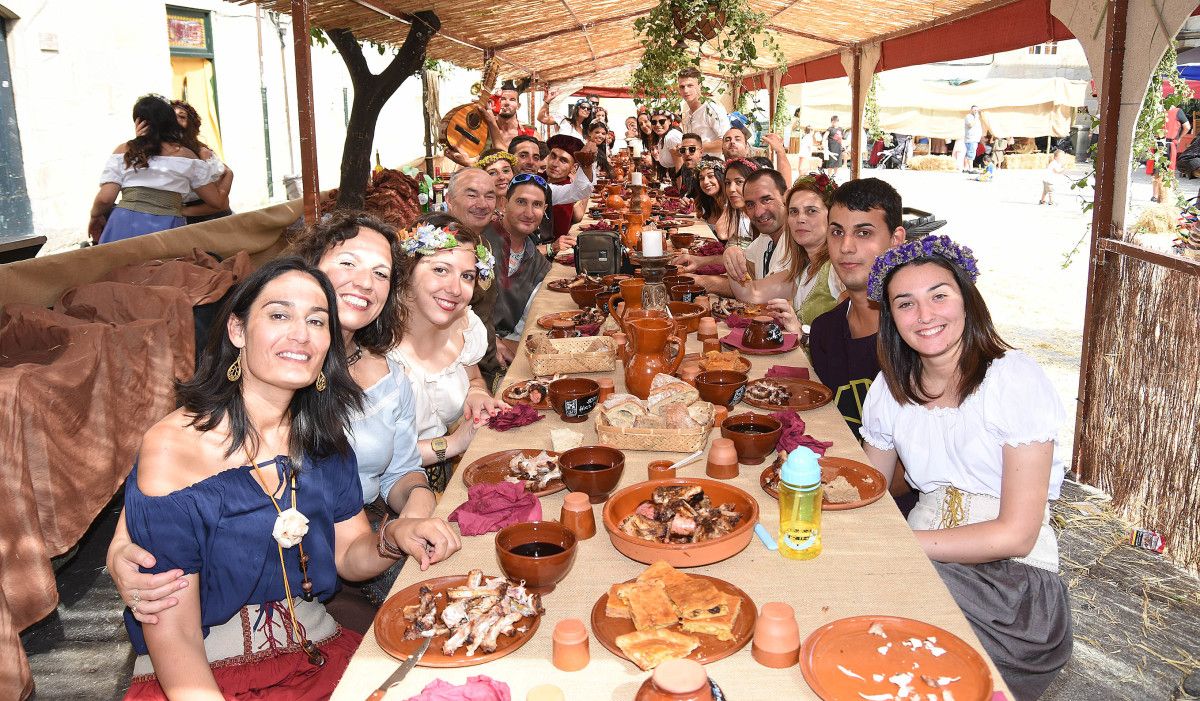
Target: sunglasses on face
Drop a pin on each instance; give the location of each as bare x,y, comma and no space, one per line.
689,149
529,177
659,122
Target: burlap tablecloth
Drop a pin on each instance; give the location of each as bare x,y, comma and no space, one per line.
871,564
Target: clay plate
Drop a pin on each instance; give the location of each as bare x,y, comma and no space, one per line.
695,357
492,469
390,626
734,340
543,405
806,394
560,285
846,642
546,321
624,501
870,482
607,629
746,310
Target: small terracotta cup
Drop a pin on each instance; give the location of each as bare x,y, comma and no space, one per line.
689,374
577,515
776,636
622,343
573,398
682,241
722,460
660,470
763,333
719,415
707,328
570,651
607,387
711,345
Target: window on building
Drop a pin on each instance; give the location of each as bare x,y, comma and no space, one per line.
1048,49
189,36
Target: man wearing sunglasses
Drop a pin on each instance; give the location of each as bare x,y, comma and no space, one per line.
700,116
691,150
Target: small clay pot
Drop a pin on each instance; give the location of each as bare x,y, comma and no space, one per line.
754,436
574,397
720,413
707,329
570,645
688,374
763,333
710,345
722,387
594,470
542,572
722,460
660,470
682,240
577,515
607,387
776,636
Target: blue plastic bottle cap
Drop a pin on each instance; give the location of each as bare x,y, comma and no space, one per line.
801,467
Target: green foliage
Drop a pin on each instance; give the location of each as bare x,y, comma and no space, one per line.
666,52
781,118
871,112
1152,117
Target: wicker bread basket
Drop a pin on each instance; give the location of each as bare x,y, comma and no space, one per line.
672,440
569,355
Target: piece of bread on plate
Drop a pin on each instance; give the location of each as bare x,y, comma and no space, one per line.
720,626
649,605
702,413
616,607
649,648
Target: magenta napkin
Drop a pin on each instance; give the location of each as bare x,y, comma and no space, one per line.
477,688
710,269
515,417
710,248
788,372
737,321
793,436
490,507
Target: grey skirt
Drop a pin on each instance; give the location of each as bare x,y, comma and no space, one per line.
1020,614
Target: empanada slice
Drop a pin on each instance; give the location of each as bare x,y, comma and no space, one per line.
696,598
615,607
719,626
648,648
649,605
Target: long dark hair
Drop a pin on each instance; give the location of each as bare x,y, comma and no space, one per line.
319,420
190,137
798,262
733,215
463,233
161,126
708,205
981,344
602,150
340,226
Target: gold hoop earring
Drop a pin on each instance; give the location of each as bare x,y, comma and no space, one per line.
321,383
234,373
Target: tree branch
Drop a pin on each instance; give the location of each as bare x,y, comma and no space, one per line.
351,52
425,24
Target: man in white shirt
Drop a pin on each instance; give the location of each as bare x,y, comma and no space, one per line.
763,193
972,135
703,117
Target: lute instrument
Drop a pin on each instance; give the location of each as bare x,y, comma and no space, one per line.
464,127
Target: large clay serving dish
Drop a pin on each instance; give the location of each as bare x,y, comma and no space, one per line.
721,387
625,501
806,394
597,484
752,447
541,574
493,469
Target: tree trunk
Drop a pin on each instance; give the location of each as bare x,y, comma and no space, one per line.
371,93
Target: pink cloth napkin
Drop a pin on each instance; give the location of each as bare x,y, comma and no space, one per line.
710,248
515,417
788,372
490,507
710,269
793,436
737,321
588,329
567,260
477,688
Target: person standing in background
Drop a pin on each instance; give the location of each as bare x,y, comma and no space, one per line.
703,117
196,210
972,135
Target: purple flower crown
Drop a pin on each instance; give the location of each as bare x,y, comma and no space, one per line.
927,247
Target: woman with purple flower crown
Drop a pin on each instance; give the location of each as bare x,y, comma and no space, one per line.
975,424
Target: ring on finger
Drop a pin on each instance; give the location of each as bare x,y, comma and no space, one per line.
137,599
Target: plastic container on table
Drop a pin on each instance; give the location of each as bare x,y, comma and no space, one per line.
800,505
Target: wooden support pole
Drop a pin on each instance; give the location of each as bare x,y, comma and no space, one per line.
772,96
856,135
428,121
1102,210
301,35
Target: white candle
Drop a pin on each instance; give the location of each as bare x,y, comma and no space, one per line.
635,179
652,243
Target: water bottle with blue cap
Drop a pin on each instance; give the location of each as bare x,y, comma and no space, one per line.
800,496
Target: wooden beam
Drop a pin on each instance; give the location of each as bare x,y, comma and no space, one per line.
567,30
301,36
856,136
1165,260
806,35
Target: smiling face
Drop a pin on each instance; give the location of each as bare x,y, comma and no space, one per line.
559,164
808,219
523,211
660,123
442,285
361,272
510,101
285,335
855,240
928,309
734,182
733,144
473,199
764,206
598,135
501,172
709,184
643,121
529,157
582,111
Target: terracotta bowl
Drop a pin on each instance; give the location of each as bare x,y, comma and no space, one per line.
596,483
623,503
686,293
687,315
672,280
574,397
722,387
585,295
602,302
682,240
540,573
614,279
754,445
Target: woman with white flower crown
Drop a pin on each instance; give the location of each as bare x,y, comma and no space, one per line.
250,489
441,339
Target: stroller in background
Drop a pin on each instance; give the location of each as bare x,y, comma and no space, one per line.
897,155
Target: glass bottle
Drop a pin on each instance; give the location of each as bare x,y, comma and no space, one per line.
800,495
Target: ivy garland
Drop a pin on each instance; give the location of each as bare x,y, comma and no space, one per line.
1152,117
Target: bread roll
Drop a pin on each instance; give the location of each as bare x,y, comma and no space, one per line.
677,416
677,392
624,413
702,413
616,399
650,421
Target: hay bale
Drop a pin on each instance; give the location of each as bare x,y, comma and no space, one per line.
1026,161
945,163
1157,219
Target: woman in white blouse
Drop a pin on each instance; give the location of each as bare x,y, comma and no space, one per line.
151,172
975,424
442,341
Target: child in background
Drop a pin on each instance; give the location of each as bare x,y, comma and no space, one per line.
1053,173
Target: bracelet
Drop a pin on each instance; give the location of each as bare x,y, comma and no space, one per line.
386,549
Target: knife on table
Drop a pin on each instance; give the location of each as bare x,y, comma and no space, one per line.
399,674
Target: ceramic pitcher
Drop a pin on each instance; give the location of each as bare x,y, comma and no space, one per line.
648,354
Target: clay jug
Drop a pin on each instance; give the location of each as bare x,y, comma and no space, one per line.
632,236
615,201
630,294
648,354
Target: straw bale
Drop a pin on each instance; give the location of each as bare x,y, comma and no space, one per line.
932,163
1026,161
1138,439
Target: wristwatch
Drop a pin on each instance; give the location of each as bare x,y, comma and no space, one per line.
439,446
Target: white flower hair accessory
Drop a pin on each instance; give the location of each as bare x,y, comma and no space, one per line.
290,527
428,239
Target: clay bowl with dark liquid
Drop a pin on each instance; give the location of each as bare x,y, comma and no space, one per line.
594,470
672,280
753,435
686,293
722,387
585,295
687,316
573,398
682,241
539,552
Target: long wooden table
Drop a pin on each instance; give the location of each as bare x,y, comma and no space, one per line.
871,565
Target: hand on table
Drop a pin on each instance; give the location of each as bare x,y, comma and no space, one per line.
565,242
426,540
783,313
734,259
481,406
146,594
